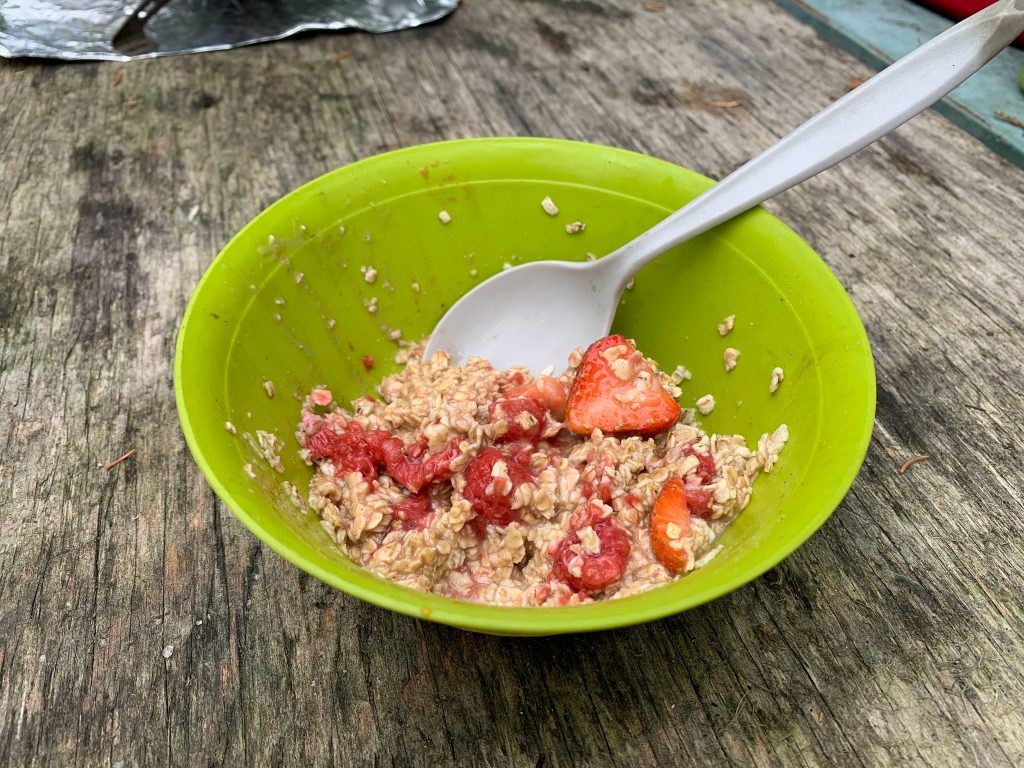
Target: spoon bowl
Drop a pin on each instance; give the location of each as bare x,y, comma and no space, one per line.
530,315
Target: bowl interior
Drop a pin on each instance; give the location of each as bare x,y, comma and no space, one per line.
286,302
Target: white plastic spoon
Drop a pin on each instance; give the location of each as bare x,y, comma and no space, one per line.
536,314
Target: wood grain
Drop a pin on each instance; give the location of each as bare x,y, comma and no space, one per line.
894,636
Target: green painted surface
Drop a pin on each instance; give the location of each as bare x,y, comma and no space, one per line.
790,311
881,31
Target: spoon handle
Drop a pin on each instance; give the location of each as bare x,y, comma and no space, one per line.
887,100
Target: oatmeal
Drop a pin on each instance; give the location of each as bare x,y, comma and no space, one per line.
505,488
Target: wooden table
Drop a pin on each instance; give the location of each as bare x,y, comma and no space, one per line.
141,625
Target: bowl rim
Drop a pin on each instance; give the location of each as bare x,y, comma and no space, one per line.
505,620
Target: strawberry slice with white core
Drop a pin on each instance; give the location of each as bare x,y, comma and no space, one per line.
617,391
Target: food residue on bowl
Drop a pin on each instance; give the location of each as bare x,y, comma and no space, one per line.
730,357
509,489
706,404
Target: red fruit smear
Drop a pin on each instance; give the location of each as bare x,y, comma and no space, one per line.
521,457
415,474
349,451
418,448
368,452
412,510
699,500
494,508
706,468
587,515
512,410
368,362
600,570
699,503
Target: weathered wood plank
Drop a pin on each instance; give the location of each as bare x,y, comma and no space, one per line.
893,636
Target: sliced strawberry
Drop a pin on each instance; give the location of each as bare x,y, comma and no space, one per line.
546,390
524,416
616,391
491,496
597,570
670,525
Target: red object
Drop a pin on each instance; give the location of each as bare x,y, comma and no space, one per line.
961,9
597,570
698,502
671,509
513,410
491,503
366,452
616,391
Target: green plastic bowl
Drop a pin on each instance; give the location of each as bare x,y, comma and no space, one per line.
284,302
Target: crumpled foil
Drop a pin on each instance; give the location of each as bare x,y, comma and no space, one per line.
83,29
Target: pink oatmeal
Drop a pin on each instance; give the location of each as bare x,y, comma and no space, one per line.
509,489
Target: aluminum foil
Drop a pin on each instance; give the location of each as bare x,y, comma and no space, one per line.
84,29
